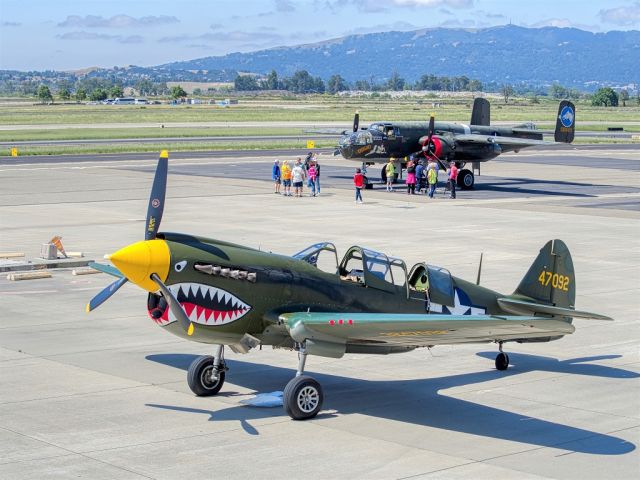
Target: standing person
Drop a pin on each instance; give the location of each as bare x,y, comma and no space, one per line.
315,158
358,182
286,178
432,179
297,177
453,178
390,171
275,175
312,175
411,178
420,176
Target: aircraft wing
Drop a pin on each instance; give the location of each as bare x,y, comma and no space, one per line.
417,329
499,140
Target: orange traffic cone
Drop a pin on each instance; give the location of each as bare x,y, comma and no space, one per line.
57,241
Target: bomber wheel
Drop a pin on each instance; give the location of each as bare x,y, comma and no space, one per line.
367,184
502,361
466,179
199,377
302,398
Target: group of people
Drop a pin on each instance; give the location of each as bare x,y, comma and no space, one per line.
421,177
286,176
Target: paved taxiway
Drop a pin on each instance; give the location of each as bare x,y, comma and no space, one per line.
105,395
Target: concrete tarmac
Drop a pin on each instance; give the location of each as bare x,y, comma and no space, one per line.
105,395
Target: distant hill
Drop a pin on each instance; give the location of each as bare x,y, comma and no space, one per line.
506,54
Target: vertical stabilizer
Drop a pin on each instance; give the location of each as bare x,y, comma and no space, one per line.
551,278
566,122
481,113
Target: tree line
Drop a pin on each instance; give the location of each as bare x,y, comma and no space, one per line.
302,82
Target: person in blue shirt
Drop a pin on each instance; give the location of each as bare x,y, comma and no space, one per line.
275,175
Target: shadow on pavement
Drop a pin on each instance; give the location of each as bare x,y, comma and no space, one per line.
423,404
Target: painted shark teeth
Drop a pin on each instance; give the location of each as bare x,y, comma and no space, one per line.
207,305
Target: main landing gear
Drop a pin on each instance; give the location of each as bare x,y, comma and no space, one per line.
206,373
303,395
466,179
502,359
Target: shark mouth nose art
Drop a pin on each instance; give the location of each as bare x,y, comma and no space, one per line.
204,305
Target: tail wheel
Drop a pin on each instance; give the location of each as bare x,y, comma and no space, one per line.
200,378
466,179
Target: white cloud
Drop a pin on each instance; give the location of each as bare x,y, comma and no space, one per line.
10,24
117,21
434,3
284,6
624,16
562,23
82,36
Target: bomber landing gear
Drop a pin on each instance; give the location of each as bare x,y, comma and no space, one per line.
502,359
206,373
466,179
303,395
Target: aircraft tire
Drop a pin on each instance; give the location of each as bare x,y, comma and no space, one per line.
198,377
502,361
302,398
466,179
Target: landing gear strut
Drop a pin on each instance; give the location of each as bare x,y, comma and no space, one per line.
502,359
302,396
206,373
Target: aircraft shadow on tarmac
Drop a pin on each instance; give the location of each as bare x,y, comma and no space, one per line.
424,405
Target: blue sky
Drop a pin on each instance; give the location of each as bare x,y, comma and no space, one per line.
64,35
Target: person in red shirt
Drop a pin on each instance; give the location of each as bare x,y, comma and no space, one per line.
453,178
358,181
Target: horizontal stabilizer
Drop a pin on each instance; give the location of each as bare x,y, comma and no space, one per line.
521,307
101,267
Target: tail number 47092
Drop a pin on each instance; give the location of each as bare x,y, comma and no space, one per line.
559,282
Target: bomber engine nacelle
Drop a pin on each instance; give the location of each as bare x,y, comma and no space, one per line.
438,147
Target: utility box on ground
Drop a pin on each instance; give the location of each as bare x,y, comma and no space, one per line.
49,251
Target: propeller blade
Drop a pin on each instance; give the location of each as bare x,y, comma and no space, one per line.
432,127
156,201
356,121
174,305
101,267
105,294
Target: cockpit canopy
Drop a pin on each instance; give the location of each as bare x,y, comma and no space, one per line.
373,269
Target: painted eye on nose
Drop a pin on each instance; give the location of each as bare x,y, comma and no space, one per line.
180,266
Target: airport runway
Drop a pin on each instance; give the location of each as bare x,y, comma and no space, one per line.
105,396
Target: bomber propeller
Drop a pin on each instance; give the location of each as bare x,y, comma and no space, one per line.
356,121
428,147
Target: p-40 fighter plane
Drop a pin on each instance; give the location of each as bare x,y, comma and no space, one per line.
221,293
447,141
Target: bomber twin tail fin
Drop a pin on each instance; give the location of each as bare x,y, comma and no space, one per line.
566,122
481,113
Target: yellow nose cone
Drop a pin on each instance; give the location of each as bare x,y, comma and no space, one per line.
139,260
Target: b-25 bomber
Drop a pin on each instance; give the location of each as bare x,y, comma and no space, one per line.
224,294
444,142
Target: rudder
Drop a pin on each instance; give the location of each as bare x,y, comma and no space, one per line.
551,278
566,122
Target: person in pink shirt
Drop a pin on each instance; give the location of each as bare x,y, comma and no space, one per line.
411,178
312,176
453,178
